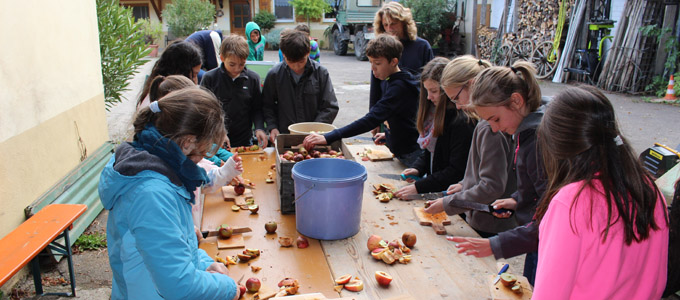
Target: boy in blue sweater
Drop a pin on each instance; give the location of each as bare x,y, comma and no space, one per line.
238,89
398,104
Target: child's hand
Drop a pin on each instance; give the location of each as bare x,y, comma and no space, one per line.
472,246
436,206
261,138
410,171
454,188
272,135
313,140
217,267
379,138
507,203
407,190
239,163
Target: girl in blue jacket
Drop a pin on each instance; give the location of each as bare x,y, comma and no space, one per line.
148,187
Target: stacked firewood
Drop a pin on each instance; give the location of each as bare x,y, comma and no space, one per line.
485,41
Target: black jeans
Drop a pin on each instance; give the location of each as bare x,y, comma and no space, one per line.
409,159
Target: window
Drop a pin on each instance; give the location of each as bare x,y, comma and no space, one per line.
335,4
283,10
140,12
364,3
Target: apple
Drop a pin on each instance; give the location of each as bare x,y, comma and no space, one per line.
253,208
298,157
287,282
270,227
285,241
333,152
253,284
383,278
373,242
508,279
344,279
308,156
225,231
240,189
376,253
302,242
394,244
254,148
316,154
243,257
303,151
242,290
409,239
354,285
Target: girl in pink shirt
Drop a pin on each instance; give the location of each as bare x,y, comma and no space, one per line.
603,228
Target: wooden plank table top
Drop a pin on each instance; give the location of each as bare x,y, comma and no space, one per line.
437,271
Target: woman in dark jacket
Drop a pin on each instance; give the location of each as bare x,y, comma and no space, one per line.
445,132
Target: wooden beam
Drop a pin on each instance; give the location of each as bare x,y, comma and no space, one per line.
156,9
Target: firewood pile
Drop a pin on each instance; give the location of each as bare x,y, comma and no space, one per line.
536,20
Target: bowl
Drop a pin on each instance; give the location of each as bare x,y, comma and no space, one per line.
310,127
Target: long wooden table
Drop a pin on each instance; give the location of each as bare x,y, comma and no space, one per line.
437,271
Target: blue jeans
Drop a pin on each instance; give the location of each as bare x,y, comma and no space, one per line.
530,263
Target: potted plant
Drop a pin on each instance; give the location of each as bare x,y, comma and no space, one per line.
153,32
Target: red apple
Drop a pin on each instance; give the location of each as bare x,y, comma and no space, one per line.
242,290
394,244
298,157
270,227
333,152
316,154
225,231
344,279
253,284
376,253
253,208
354,285
383,278
409,239
373,242
302,242
285,241
240,189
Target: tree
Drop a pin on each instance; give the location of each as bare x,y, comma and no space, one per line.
430,16
185,17
310,8
122,47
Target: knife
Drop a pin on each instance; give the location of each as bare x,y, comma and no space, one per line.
426,196
498,277
217,232
399,177
478,206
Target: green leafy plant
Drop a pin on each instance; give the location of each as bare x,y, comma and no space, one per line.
91,241
265,19
273,38
310,8
431,17
122,48
659,83
153,31
185,17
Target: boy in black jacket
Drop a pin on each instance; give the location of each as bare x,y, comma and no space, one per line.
239,91
297,89
398,104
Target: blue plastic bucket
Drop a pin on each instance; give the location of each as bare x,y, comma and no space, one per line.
328,193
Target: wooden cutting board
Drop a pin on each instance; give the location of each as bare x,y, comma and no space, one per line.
437,221
500,292
233,150
229,195
378,153
235,241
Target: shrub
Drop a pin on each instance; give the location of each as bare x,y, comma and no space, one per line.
266,20
274,38
430,17
310,8
122,48
185,17
153,31
90,241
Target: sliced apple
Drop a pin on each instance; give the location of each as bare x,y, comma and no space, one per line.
344,279
355,285
383,278
376,253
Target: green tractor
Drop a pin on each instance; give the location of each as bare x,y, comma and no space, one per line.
354,24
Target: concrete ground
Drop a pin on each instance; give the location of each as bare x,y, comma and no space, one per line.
642,123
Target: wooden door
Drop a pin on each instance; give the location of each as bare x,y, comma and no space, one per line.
239,11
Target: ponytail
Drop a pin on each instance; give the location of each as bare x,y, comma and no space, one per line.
494,85
153,90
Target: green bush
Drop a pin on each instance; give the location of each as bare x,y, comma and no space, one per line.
659,83
265,19
310,8
153,31
185,17
122,48
91,241
274,38
430,17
